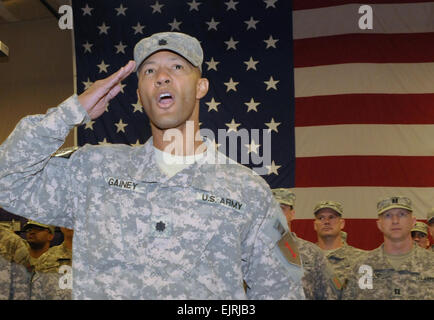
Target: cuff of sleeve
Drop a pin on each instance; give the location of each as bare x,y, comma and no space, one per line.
73,111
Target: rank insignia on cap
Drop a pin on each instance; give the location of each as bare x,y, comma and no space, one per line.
162,42
160,226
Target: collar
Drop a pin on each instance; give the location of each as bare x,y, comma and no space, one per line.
200,175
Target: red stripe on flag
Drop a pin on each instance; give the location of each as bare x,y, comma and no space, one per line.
364,109
393,171
371,48
313,4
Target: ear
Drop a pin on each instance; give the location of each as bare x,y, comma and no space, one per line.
342,223
202,88
379,225
138,97
314,226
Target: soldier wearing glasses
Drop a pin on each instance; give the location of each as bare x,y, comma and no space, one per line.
398,269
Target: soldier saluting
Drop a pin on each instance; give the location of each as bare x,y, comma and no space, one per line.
151,236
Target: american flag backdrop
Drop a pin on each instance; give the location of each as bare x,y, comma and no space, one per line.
350,112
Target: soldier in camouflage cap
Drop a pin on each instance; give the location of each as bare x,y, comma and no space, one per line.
430,222
39,237
319,281
398,269
329,224
145,229
419,234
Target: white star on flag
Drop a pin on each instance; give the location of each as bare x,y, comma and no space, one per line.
89,125
251,24
194,5
271,84
232,44
271,43
251,64
233,126
103,28
212,64
104,142
231,5
252,147
121,126
87,10
120,48
87,47
121,10
175,25
212,105
231,85
157,7
272,126
138,28
87,84
270,3
273,168
252,105
212,24
103,67
137,107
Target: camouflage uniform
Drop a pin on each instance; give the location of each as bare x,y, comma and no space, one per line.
139,234
53,258
14,256
342,261
319,282
45,286
318,278
413,280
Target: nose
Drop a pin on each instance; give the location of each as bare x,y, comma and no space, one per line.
162,78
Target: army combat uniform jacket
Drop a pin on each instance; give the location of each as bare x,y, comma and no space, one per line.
378,280
342,261
139,234
319,281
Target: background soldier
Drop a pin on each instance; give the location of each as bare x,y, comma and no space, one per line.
14,261
419,234
57,256
39,237
328,225
398,269
319,282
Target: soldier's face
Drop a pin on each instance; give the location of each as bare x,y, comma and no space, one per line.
328,223
38,236
420,238
169,90
396,224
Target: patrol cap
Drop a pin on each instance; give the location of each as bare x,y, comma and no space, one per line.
421,227
180,43
394,202
34,223
430,216
284,196
334,205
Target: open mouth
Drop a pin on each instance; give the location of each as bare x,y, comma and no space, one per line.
165,100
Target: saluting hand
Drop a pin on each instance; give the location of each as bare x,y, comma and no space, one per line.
96,98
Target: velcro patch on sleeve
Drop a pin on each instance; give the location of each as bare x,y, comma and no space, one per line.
288,247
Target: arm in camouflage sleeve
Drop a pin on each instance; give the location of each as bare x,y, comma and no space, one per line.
32,183
267,274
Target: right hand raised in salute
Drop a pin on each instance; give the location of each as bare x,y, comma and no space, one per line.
96,98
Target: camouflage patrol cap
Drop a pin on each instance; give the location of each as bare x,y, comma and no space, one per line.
34,223
394,202
421,227
334,205
284,196
430,216
180,43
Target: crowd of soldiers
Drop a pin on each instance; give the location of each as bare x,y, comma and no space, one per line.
31,269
